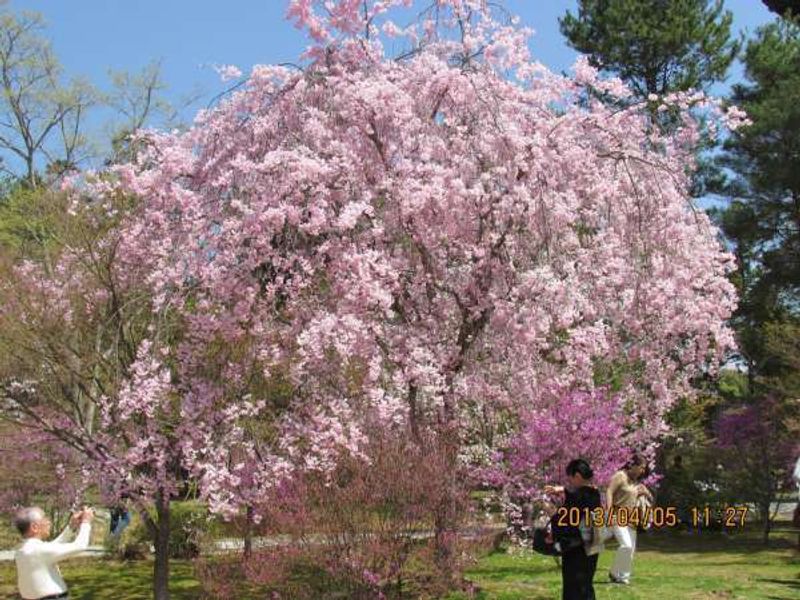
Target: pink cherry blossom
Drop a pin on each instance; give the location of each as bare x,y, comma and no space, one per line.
430,241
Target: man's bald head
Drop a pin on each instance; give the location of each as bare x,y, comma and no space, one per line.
27,518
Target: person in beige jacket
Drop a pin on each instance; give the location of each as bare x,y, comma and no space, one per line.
622,494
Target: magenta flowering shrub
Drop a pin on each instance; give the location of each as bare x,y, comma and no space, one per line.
755,452
576,424
365,529
566,424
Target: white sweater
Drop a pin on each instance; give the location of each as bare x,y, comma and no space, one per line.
37,571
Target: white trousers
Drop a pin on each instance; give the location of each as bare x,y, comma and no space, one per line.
623,560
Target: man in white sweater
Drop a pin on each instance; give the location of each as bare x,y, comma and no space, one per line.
796,477
38,577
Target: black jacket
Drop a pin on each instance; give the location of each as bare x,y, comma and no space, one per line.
568,535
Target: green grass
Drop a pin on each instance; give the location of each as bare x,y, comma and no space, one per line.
668,565
97,579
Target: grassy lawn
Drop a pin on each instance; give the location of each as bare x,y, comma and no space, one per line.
110,580
668,565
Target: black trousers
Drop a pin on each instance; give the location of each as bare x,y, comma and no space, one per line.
577,574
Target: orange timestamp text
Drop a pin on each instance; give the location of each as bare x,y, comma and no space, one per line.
656,516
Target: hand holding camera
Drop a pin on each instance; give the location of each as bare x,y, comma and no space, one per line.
85,515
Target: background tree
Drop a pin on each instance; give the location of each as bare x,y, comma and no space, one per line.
763,167
37,469
760,163
138,101
550,434
87,362
41,117
25,222
656,47
756,445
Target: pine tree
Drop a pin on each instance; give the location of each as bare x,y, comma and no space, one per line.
657,46
782,6
764,162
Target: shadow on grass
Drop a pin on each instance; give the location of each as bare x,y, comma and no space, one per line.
507,572
89,586
793,584
111,580
708,541
493,571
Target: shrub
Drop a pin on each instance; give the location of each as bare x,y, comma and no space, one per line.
132,544
192,528
356,532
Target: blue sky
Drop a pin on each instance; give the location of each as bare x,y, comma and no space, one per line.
188,37
91,36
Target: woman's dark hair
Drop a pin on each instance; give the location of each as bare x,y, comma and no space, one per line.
581,467
636,460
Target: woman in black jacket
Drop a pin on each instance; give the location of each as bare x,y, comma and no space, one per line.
577,568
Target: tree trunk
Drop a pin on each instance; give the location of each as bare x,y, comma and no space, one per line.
767,523
161,565
446,517
412,412
30,174
248,533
